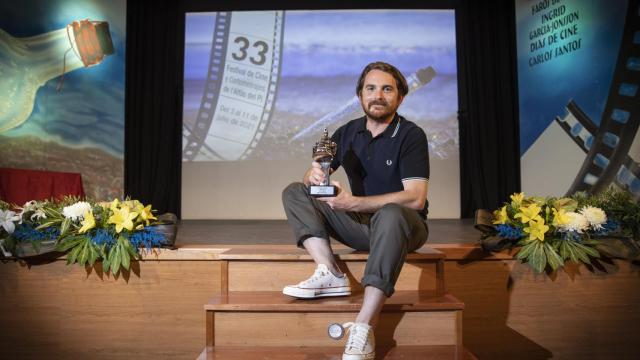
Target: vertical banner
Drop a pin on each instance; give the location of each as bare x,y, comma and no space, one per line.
579,72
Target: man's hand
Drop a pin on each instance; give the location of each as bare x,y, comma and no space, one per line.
343,201
315,175
413,196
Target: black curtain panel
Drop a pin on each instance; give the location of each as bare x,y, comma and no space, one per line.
153,103
488,104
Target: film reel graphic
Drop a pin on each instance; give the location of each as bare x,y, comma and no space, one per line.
194,138
240,88
583,131
608,146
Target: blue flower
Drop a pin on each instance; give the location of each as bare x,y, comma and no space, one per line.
146,238
102,236
509,232
26,233
611,226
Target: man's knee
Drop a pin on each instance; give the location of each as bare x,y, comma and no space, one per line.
293,191
390,212
390,225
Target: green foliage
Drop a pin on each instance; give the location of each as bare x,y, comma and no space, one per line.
8,243
539,254
119,256
81,250
578,252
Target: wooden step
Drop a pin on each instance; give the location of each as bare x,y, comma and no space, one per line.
274,319
270,301
294,254
433,352
245,269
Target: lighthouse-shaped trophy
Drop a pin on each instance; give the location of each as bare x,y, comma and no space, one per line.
323,152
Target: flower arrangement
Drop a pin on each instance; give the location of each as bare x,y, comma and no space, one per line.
113,232
550,231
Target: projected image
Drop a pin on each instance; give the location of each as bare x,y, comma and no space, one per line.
264,85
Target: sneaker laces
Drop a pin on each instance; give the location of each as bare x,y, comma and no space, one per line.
316,275
357,336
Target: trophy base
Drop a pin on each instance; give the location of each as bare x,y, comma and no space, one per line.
322,190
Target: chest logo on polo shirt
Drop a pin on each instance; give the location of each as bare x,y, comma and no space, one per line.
389,162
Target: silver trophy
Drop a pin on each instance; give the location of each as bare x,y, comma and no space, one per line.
323,152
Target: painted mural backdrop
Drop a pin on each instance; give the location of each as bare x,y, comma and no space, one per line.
578,75
69,123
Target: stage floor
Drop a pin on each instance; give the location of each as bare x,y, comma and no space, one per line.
278,232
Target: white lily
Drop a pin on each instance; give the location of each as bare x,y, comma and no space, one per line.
28,206
7,217
38,214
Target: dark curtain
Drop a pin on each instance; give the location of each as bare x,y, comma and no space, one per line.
488,104
153,104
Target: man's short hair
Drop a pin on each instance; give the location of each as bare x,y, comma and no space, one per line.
401,82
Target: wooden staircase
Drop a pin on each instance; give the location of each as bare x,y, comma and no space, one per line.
252,319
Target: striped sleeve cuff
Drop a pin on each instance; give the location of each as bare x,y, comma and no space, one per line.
416,178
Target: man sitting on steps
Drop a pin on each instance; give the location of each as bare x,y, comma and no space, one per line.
386,160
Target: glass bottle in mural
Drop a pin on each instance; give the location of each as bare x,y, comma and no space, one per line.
28,63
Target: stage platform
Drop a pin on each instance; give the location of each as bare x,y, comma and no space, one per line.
278,232
457,238
156,310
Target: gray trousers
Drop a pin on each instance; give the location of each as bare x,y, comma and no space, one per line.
388,234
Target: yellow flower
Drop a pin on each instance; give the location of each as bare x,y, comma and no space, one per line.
88,223
122,218
104,204
501,216
560,218
565,204
114,205
134,205
146,214
536,230
529,213
139,208
538,200
517,198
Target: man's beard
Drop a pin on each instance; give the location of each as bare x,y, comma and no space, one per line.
379,117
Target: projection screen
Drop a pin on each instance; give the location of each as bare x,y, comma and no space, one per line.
260,87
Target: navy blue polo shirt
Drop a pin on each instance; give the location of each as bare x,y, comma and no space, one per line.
378,165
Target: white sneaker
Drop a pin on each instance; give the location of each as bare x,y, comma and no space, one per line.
323,283
361,344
